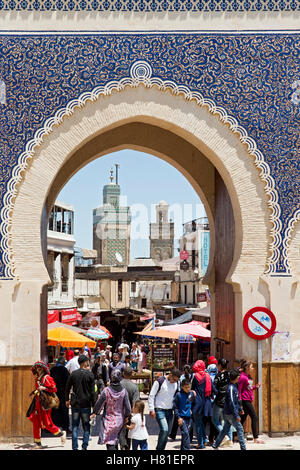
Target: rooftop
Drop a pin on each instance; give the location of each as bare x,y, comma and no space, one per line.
142,262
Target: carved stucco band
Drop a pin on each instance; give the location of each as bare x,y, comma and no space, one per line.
288,236
141,74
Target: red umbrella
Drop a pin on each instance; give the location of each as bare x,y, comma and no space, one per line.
194,328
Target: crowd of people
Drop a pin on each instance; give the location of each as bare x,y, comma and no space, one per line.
206,401
212,402
83,382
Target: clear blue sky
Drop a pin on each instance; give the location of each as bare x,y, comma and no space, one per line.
144,180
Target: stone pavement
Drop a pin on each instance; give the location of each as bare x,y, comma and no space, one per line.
52,443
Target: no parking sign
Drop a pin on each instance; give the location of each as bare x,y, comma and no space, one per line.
259,323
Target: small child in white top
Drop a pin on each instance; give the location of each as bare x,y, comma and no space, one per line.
137,429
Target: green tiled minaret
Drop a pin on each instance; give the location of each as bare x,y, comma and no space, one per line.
111,227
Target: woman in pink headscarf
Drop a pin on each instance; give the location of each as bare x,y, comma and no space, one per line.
202,386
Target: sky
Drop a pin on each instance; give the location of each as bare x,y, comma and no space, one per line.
144,180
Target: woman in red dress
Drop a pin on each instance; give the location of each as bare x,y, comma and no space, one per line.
40,418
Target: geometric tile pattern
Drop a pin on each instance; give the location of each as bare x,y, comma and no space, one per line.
234,6
254,78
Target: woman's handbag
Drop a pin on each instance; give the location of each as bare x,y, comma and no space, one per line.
48,400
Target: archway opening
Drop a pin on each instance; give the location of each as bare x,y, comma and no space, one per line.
194,141
206,145
188,161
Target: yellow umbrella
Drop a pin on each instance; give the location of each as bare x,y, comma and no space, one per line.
68,338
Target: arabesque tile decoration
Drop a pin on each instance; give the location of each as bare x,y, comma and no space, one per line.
151,5
254,79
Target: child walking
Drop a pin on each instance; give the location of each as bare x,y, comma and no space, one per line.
137,429
182,406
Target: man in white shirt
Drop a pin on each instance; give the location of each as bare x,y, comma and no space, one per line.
160,404
73,363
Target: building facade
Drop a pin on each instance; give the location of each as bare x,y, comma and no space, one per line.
86,291
60,256
148,294
196,242
210,87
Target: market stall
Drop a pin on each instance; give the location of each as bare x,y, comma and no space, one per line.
189,333
162,360
162,357
144,380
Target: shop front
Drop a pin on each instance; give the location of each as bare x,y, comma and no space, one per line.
68,316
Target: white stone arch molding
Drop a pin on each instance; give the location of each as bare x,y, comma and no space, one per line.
292,226
140,75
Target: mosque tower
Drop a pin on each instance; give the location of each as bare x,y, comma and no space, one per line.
111,226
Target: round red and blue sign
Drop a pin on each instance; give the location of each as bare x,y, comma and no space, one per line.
259,323
184,255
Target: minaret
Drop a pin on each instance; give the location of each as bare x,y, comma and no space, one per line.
111,226
162,234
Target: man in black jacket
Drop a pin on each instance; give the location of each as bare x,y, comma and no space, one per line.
82,383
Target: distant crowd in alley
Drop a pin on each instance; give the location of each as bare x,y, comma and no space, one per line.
204,402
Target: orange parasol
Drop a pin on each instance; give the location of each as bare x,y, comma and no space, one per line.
68,338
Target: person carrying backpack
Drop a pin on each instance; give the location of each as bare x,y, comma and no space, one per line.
160,403
221,382
232,412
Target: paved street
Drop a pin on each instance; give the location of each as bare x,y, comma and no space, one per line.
52,443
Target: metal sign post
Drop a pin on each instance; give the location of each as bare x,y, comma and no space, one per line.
260,390
259,323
